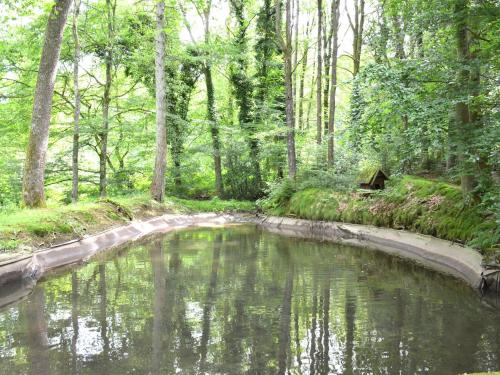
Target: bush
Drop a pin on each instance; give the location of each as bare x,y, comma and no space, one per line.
326,180
278,196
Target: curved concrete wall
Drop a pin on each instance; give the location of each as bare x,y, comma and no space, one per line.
440,255
30,267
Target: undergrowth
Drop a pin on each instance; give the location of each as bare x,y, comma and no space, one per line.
29,228
410,203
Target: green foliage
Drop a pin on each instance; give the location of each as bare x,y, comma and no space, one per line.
213,205
397,114
415,204
41,227
278,196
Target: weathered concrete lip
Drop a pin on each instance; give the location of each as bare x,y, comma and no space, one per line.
36,264
440,255
443,256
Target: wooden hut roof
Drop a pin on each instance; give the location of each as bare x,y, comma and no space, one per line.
369,175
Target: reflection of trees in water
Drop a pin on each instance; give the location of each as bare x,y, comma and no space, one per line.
103,304
222,301
209,302
350,318
36,335
285,317
74,321
159,285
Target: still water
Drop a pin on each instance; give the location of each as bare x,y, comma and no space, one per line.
238,300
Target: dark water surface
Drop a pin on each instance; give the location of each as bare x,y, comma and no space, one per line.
238,300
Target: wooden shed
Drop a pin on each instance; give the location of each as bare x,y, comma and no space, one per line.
374,180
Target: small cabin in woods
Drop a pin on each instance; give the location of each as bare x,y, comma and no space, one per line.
374,180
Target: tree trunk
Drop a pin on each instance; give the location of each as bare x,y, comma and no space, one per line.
357,28
319,79
34,169
311,93
333,84
296,52
287,57
106,100
211,110
302,77
76,129
462,112
214,130
158,185
327,55
244,91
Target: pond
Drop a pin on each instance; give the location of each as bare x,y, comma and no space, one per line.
239,300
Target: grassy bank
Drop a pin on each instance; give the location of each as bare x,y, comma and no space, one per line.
26,229
415,204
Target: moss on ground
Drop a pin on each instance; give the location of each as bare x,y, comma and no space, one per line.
25,229
411,203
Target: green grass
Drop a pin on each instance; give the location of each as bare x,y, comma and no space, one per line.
411,203
43,227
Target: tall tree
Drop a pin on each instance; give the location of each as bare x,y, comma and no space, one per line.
36,154
76,112
464,129
106,98
357,27
158,185
327,54
286,46
211,109
333,83
305,47
319,79
269,76
243,88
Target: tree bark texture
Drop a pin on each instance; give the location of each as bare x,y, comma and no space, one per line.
302,77
333,84
106,101
76,120
243,90
158,184
36,155
319,79
327,55
357,27
211,109
462,111
286,46
214,130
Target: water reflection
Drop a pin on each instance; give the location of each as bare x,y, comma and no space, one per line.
238,301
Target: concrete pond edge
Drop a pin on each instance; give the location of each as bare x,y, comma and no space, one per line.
440,255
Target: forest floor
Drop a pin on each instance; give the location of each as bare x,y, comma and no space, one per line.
24,230
415,204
